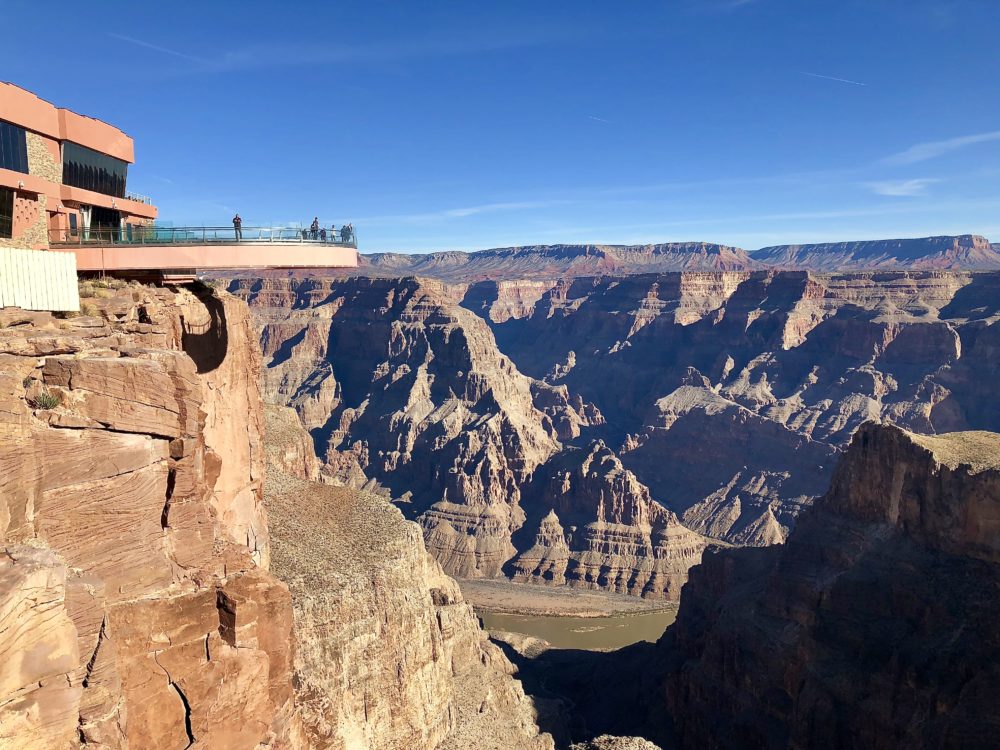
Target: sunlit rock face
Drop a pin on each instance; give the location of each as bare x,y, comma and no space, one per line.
389,655
136,609
603,530
873,626
559,261
726,396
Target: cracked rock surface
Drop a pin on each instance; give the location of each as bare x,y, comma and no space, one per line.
136,608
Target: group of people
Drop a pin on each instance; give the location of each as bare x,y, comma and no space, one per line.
315,231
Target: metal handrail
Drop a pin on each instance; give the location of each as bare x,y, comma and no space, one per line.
154,235
138,198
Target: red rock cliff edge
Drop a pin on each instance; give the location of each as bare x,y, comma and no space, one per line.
136,608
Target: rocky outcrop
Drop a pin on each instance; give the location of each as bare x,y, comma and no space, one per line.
729,396
607,742
873,626
136,609
390,657
963,252
618,538
420,405
289,448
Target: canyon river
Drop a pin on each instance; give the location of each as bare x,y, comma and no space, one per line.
589,633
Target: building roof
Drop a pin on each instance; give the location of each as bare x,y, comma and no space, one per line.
24,108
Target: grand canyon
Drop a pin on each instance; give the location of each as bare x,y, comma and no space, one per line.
245,520
600,431
500,376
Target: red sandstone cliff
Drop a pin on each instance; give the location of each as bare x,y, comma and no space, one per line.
136,605
136,609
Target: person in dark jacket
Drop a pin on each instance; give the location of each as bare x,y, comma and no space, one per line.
314,228
238,226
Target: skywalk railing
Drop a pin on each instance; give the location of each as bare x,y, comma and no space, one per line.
138,198
142,235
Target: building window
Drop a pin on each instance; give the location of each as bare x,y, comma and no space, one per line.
91,170
13,148
6,213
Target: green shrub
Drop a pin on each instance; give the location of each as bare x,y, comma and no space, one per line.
47,400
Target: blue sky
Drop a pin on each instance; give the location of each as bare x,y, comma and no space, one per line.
463,125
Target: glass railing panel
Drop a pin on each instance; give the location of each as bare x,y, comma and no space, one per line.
155,235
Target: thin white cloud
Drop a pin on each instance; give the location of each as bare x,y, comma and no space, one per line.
932,149
901,188
599,119
283,55
832,78
459,213
158,48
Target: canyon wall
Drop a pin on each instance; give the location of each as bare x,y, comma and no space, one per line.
943,253
390,657
148,601
407,394
136,608
873,626
597,432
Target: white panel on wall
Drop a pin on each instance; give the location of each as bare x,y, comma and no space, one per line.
38,280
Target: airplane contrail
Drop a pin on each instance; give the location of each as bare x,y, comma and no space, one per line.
832,78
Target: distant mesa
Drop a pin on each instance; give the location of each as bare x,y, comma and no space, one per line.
944,253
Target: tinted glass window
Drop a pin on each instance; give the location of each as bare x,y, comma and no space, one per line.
91,170
13,148
6,213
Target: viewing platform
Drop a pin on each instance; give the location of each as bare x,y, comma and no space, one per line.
180,251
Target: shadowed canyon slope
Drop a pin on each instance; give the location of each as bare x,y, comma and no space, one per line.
594,431
952,253
874,626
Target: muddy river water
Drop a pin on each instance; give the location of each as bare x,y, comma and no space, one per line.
590,633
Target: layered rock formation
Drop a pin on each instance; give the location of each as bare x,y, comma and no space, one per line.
616,537
873,626
550,262
390,657
727,396
136,609
417,401
559,261
964,252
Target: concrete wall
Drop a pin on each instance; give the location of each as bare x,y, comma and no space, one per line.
38,280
